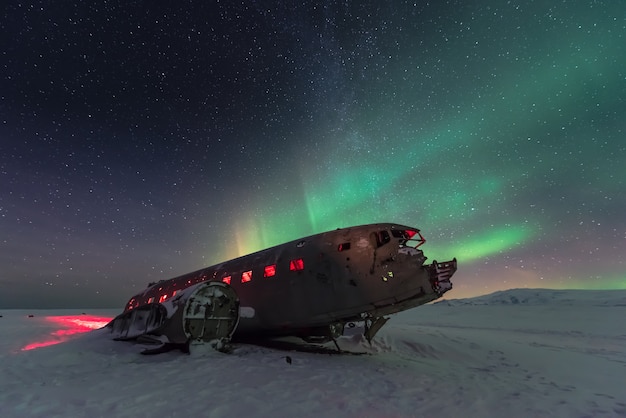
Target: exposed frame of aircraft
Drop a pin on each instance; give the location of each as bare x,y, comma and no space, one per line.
309,288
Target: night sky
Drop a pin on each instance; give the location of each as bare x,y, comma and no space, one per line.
141,140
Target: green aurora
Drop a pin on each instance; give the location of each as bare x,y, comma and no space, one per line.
481,168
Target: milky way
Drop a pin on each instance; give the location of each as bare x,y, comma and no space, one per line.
143,140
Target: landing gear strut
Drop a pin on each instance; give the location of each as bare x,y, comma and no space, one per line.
372,326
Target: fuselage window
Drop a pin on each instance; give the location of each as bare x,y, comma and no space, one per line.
297,264
151,300
269,270
132,304
343,246
246,276
226,279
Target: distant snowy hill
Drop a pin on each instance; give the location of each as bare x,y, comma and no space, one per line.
535,297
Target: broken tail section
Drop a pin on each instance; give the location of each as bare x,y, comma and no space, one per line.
207,313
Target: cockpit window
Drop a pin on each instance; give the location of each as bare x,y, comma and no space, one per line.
415,239
380,238
383,237
409,237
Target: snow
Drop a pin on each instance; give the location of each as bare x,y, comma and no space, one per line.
246,312
517,353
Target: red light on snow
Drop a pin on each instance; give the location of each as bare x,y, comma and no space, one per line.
69,325
246,276
33,346
297,264
270,271
80,322
226,279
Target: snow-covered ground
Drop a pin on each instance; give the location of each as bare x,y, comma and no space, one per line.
518,353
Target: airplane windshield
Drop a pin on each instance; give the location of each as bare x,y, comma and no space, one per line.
411,237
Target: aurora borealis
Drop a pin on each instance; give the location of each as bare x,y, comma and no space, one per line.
144,140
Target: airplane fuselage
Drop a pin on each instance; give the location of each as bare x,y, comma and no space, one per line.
303,286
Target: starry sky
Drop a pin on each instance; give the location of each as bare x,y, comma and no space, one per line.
141,140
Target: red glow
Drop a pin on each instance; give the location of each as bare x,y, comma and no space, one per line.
270,271
162,298
131,304
412,237
297,264
69,325
246,276
226,279
33,346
